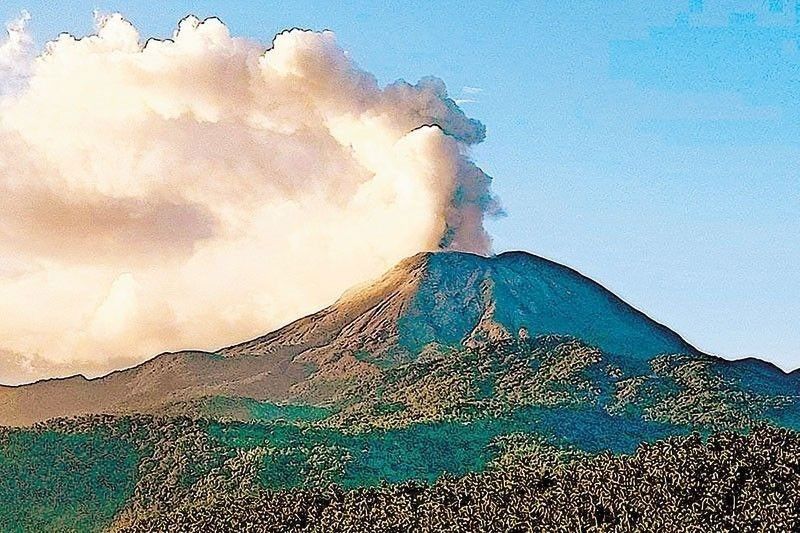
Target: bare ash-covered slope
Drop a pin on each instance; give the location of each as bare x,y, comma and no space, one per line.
431,301
147,388
452,298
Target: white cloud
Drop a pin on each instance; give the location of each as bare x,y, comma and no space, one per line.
15,54
197,191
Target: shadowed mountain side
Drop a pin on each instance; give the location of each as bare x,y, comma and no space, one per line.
762,377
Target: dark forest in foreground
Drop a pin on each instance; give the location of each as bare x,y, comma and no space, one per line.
143,474
728,482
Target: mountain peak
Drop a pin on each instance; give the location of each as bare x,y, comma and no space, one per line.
457,298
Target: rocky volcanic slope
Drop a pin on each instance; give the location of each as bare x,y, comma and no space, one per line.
431,299
453,298
450,363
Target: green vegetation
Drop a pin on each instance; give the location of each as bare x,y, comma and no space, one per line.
428,437
53,481
728,482
247,409
268,411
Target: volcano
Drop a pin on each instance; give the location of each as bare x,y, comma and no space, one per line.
509,374
431,303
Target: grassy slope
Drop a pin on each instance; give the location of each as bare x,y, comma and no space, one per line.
63,482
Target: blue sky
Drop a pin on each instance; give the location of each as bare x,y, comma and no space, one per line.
652,146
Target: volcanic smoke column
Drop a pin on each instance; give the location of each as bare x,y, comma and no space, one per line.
167,194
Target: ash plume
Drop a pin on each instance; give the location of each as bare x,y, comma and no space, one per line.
191,192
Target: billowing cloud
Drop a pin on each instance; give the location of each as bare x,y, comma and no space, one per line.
15,53
193,192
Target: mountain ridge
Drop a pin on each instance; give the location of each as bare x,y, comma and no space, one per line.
423,263
431,300
451,370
